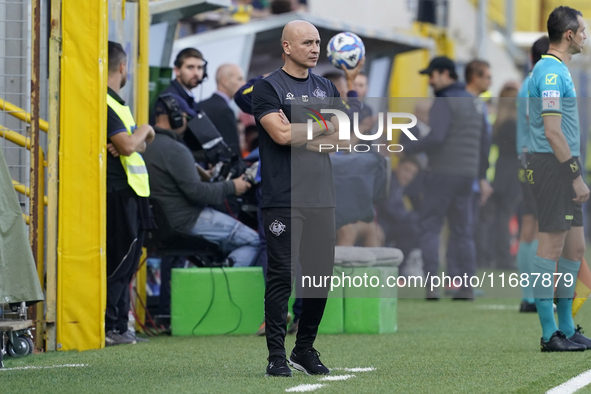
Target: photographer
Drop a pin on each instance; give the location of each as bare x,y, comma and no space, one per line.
175,183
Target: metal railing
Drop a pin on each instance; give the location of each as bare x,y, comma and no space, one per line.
21,114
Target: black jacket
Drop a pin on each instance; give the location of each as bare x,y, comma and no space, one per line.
224,119
458,143
176,88
175,183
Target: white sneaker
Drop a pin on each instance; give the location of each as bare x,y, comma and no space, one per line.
113,338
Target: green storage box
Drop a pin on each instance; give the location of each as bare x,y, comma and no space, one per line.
370,310
192,292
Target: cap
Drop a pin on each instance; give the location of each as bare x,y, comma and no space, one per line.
163,105
439,63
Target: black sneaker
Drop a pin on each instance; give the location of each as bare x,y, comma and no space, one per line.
579,338
560,343
308,361
278,367
527,307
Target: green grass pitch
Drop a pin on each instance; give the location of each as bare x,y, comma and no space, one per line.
484,346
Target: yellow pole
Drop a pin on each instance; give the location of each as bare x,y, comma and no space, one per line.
142,111
55,39
20,113
81,289
143,67
15,137
22,189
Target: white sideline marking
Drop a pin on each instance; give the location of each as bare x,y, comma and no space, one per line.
336,377
369,369
312,387
572,385
304,387
48,367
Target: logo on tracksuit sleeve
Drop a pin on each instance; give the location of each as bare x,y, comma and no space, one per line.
277,228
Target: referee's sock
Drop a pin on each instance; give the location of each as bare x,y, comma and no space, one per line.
565,294
544,296
525,257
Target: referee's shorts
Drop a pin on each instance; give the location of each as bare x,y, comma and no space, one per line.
529,206
553,192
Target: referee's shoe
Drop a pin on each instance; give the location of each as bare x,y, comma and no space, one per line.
308,361
278,367
579,338
560,343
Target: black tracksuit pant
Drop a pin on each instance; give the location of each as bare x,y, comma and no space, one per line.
125,238
306,235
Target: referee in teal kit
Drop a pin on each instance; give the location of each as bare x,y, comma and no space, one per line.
554,173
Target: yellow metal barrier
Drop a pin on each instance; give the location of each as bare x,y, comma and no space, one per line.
143,68
20,113
15,137
18,139
22,189
142,108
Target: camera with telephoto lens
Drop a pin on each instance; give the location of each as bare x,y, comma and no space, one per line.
227,165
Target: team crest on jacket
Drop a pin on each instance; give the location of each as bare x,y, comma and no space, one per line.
277,227
321,94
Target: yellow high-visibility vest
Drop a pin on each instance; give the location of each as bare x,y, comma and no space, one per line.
134,165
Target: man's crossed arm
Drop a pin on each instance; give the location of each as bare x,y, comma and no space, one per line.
283,132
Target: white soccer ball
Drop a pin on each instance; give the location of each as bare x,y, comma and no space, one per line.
345,49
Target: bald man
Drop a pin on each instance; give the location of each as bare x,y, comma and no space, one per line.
298,195
229,79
